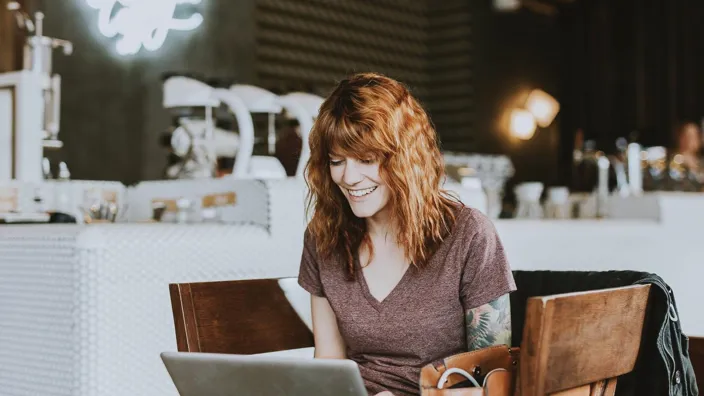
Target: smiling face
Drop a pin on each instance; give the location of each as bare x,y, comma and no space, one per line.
361,184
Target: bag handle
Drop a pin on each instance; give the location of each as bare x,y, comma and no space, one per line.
496,370
455,370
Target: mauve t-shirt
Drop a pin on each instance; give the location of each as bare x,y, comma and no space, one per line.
422,320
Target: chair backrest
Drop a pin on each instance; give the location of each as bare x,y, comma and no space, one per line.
696,355
239,317
581,342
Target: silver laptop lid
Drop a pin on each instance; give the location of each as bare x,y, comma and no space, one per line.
206,374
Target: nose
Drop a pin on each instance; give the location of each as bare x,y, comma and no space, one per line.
352,175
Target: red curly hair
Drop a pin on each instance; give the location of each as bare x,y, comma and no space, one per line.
367,115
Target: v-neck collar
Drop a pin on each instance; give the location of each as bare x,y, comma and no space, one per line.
397,289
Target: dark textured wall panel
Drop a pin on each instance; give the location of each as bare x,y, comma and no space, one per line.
317,42
449,69
312,44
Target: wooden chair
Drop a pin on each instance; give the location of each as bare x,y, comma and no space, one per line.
579,343
573,344
696,355
238,317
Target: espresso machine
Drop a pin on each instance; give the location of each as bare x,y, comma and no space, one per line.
24,95
211,122
242,99
192,138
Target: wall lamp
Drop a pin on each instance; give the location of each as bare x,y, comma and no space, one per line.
540,110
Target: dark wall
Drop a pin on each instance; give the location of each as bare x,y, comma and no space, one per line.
112,112
101,101
633,65
466,62
111,105
449,67
514,53
315,43
618,68
614,67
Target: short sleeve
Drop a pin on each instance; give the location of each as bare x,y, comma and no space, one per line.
487,274
309,273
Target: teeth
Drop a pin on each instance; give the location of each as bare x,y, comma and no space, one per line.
361,193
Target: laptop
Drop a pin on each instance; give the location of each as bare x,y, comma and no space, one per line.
208,374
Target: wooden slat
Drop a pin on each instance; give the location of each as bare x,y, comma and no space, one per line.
184,318
241,317
574,339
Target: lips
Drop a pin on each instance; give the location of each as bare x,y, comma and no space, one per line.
362,192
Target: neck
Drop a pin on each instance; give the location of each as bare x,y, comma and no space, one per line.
380,225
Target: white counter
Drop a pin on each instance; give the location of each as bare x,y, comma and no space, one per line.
86,309
668,208
676,254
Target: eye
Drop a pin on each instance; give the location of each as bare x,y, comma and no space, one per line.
335,162
368,161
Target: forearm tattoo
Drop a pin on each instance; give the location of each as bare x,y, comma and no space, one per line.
489,324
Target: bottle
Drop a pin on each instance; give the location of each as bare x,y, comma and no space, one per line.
63,197
64,173
46,169
635,172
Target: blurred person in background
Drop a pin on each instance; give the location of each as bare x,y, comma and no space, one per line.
688,144
288,145
687,165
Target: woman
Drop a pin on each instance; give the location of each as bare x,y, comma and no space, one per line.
401,274
688,140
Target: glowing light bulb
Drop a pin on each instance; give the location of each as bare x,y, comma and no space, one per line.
543,107
522,124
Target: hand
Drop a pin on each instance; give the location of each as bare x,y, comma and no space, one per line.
384,393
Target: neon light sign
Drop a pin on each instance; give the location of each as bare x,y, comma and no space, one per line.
141,23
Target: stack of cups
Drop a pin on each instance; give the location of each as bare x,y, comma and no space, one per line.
528,197
558,204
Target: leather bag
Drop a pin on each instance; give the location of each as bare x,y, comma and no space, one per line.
489,371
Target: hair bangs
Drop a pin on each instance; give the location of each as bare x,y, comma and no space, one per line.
347,138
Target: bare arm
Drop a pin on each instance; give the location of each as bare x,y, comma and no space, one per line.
489,324
328,341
